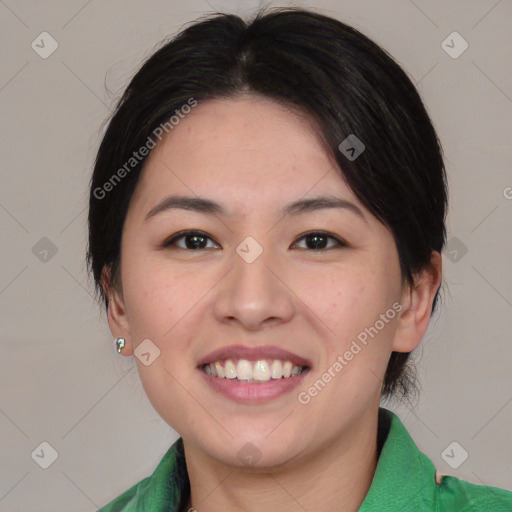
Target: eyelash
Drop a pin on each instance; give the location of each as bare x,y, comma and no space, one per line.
182,234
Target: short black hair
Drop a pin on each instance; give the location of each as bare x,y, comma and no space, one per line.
344,82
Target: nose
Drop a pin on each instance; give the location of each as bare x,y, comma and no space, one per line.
255,294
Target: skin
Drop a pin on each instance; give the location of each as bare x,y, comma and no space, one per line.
253,156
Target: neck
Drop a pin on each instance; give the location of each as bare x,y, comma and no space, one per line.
336,477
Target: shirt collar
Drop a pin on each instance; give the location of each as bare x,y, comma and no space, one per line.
405,477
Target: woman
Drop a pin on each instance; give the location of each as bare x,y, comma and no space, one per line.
267,215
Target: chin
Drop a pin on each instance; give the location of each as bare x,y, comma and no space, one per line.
247,450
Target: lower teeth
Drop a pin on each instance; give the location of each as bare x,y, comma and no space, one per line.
251,381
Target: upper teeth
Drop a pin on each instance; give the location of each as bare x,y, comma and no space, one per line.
260,370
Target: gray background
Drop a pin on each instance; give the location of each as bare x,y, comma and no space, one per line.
60,379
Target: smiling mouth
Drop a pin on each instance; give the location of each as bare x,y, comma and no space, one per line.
259,371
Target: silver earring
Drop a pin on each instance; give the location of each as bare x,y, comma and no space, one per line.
119,343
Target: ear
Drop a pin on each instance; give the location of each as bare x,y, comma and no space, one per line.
116,312
417,303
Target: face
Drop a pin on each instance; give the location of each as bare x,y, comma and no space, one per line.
314,282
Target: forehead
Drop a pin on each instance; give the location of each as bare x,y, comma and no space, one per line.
249,150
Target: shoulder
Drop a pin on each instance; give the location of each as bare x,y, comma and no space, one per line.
460,496
163,491
405,479
129,499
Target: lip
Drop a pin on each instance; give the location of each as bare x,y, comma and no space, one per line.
253,354
253,393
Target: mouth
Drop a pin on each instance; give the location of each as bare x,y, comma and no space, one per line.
253,375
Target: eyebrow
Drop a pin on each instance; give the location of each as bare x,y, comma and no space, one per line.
210,207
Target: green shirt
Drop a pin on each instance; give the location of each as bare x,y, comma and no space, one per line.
404,481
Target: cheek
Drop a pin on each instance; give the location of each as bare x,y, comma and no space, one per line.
350,302
160,304
158,298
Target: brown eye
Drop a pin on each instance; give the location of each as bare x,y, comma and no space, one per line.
318,240
193,240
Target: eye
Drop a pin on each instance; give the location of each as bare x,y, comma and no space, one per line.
197,240
194,240
318,240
